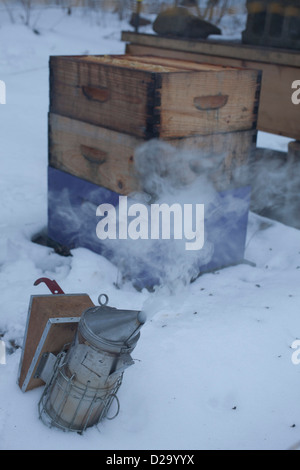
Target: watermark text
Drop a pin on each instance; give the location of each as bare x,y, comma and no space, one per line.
296,93
2,353
2,92
152,459
155,222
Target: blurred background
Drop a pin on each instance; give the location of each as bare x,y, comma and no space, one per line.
28,11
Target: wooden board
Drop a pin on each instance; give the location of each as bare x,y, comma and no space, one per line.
58,333
152,99
99,155
276,114
41,309
230,49
106,158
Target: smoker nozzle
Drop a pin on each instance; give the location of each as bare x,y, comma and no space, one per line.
142,317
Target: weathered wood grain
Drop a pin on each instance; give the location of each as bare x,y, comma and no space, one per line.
96,154
101,95
106,158
41,309
149,98
276,114
229,49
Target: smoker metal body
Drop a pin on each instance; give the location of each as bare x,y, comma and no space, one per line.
84,380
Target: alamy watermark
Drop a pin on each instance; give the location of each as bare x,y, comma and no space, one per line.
156,221
2,92
296,354
2,353
296,93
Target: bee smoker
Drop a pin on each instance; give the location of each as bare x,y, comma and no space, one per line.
85,379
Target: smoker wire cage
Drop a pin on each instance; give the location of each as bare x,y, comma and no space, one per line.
89,405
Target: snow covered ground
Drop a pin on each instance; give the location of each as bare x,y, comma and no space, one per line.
214,363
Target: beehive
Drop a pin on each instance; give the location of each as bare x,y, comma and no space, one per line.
103,107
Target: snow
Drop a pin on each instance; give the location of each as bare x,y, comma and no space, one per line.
214,364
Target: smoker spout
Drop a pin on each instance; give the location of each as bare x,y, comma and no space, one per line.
111,329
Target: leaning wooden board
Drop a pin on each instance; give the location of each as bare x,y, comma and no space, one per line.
106,157
150,98
42,308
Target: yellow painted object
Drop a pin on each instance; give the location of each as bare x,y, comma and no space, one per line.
256,7
292,11
274,23
283,8
276,8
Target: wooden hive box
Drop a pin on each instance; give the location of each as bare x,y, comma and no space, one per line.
152,97
103,107
106,157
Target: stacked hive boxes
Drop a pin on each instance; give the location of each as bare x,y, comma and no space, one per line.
103,107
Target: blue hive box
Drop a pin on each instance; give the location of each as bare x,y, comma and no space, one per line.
72,222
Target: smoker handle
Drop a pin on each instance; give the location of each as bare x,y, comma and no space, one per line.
113,397
51,284
106,299
210,102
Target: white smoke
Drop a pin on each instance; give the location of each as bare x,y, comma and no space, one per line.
275,181
169,175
